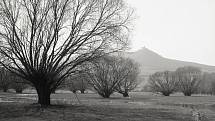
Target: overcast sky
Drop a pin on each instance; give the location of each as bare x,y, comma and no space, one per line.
176,29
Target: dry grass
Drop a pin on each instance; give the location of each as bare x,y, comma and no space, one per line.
140,107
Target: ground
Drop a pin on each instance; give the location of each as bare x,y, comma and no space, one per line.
90,107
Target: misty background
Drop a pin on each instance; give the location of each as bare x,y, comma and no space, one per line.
177,29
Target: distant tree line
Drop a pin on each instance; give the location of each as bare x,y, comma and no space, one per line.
188,80
207,85
105,76
9,80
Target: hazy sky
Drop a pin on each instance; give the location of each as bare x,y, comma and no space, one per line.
177,29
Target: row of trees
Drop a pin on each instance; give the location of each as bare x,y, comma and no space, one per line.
207,85
9,80
184,79
106,75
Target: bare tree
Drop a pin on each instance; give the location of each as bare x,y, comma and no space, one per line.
206,86
9,80
77,82
5,82
129,76
189,79
105,75
18,83
212,90
163,82
44,41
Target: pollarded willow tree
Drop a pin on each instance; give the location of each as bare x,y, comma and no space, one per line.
189,79
164,82
105,74
44,41
129,78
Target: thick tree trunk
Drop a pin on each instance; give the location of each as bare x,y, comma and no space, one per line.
5,90
18,91
44,94
105,95
74,91
82,91
54,91
125,94
166,93
187,94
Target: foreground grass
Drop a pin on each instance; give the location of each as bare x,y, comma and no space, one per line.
140,107
87,113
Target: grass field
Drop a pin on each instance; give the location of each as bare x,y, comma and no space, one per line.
139,107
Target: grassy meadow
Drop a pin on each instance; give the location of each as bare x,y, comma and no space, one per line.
139,106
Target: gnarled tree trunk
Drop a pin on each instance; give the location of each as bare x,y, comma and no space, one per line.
166,93
125,94
187,93
74,91
44,93
18,90
5,90
82,91
54,91
105,94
